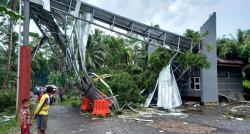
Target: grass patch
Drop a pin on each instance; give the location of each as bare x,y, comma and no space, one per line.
9,126
71,101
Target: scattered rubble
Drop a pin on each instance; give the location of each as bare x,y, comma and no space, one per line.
241,111
143,120
189,118
240,119
180,127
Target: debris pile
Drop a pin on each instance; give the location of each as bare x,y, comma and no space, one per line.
183,127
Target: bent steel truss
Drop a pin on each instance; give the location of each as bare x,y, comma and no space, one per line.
60,9
54,21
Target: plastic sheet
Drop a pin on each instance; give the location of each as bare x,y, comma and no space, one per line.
168,92
82,33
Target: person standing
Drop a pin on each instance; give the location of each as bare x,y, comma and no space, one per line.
42,111
61,94
24,117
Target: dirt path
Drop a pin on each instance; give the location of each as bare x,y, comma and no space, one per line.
64,120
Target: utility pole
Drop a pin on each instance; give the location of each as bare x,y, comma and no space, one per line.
18,56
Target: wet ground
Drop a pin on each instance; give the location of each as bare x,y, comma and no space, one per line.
64,120
226,119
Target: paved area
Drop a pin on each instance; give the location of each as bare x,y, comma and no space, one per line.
201,119
64,120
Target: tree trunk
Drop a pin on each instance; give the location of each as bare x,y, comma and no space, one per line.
10,47
7,66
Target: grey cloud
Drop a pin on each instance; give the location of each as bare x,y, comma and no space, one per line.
172,15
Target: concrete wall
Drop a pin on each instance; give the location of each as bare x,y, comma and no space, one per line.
209,82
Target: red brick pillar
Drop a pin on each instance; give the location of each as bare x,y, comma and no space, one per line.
24,74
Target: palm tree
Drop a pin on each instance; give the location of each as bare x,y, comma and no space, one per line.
228,49
242,37
95,53
236,47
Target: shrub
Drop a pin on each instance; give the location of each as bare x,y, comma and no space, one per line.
246,84
245,52
7,100
122,84
147,80
247,71
76,102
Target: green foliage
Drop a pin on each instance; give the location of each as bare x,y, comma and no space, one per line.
116,48
57,78
236,48
242,37
227,49
159,59
72,98
95,53
245,53
246,84
102,87
8,101
40,70
192,59
4,41
246,71
147,80
9,12
75,102
134,69
209,47
193,35
6,126
122,84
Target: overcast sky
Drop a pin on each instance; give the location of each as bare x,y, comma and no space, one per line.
178,15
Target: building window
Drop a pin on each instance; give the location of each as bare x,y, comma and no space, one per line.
194,83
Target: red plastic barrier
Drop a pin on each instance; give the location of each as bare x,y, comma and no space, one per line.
101,107
85,104
24,74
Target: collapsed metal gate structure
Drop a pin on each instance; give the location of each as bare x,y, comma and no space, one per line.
68,19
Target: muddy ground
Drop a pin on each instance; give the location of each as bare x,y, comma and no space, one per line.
190,118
